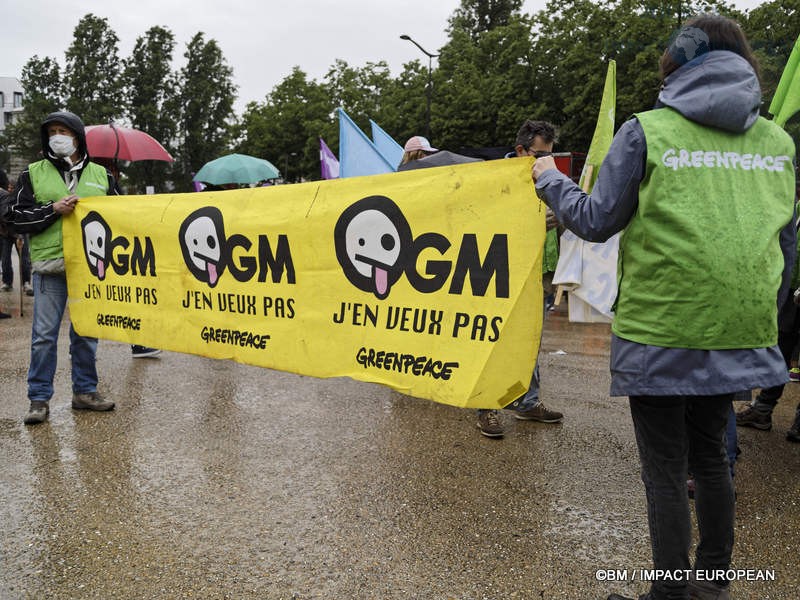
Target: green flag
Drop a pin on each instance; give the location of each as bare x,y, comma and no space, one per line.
786,101
603,131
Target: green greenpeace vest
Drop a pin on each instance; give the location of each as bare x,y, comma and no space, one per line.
700,262
49,186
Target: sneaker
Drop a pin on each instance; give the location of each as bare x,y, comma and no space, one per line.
490,423
37,413
707,590
91,401
144,352
793,435
4,315
28,289
538,413
6,287
750,417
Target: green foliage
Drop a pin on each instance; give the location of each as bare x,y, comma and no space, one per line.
92,76
498,68
285,128
151,95
206,106
43,94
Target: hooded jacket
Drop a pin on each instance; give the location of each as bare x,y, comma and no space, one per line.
719,90
33,215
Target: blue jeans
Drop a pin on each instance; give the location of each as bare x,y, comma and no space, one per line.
49,302
531,397
675,435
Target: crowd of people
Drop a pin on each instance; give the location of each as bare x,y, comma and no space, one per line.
691,230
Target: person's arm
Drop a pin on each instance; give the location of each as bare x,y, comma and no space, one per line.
31,217
615,196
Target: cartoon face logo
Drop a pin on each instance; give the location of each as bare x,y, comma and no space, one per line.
96,243
202,238
371,237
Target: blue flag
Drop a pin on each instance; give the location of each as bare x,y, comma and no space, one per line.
391,150
357,154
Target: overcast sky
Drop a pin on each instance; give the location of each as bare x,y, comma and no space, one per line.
261,40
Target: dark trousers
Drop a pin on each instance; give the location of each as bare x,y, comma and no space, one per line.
787,341
7,245
677,435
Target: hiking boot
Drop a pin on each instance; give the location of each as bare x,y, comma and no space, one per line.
144,352
707,590
91,401
793,435
538,413
750,417
6,287
490,423
28,289
37,413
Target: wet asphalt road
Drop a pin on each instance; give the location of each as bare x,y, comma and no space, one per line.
218,480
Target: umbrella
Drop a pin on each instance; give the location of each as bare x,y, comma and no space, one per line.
236,168
440,159
123,143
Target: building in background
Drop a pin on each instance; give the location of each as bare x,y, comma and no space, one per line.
11,97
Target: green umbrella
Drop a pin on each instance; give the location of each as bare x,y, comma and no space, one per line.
236,168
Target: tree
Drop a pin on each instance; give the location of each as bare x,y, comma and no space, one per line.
284,129
206,96
773,40
477,16
483,81
92,76
150,88
360,91
43,94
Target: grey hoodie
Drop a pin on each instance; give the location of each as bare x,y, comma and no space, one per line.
718,89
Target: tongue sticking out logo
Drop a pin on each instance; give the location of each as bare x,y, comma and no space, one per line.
202,238
96,237
370,237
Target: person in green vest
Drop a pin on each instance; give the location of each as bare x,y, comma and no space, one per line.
703,189
46,191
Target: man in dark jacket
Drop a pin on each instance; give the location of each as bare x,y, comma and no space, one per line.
47,190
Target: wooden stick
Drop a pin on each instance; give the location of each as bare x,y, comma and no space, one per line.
559,293
19,242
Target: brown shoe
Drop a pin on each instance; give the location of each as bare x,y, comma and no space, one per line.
539,413
91,401
490,423
37,413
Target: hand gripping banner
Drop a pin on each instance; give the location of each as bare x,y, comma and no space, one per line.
427,281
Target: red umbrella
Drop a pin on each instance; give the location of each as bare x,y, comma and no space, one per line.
123,143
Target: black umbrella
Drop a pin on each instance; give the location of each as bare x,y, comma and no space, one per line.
440,159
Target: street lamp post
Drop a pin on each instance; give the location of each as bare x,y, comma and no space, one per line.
430,83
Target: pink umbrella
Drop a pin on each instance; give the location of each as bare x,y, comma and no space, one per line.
123,143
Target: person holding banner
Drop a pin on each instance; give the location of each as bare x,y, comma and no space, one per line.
703,188
46,191
534,138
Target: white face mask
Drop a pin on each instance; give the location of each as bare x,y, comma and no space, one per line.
62,145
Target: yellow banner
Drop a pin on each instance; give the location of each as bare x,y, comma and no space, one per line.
427,281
